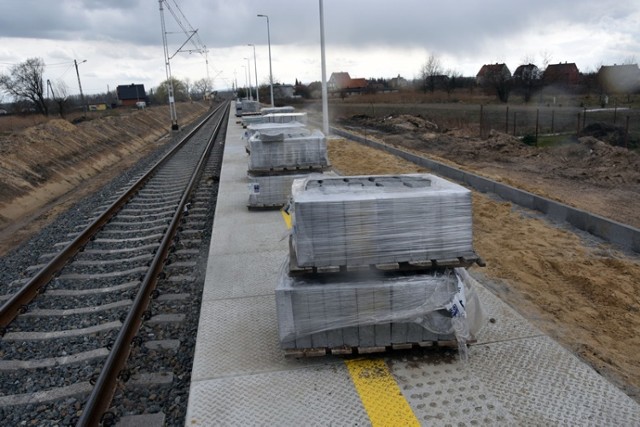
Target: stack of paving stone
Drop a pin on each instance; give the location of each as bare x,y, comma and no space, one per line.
250,107
279,153
272,110
288,117
328,296
365,220
271,191
291,150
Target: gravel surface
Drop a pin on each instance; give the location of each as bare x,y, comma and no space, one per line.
13,266
13,271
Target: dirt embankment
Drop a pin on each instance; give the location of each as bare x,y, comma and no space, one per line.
586,173
584,295
41,165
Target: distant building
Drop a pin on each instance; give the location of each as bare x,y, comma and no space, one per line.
398,82
357,85
526,73
492,72
338,81
283,91
342,82
130,95
619,78
566,74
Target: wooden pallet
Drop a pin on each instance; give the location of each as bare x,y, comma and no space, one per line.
289,170
435,264
348,351
265,207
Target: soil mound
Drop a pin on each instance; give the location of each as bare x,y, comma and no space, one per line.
614,135
43,162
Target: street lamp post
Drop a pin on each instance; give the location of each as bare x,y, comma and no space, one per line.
270,69
325,102
255,66
249,74
246,85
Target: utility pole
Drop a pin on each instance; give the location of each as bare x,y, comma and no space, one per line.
84,104
167,63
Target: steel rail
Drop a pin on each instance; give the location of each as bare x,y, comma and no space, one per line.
105,386
12,307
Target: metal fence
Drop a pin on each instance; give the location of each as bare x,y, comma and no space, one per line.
517,120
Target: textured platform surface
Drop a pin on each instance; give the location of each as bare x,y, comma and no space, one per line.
515,374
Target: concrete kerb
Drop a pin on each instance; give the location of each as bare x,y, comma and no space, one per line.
621,234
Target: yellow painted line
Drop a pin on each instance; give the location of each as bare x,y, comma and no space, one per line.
287,218
380,394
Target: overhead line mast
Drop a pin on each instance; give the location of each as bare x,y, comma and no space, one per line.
192,37
167,67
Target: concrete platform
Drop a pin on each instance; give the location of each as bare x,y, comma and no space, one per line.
515,374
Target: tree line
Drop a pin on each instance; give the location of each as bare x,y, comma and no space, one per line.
31,93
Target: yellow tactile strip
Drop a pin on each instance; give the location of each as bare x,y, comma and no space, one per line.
380,394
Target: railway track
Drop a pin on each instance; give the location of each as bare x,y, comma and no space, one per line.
104,326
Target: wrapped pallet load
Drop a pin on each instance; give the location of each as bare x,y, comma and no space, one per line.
271,190
373,310
291,128
364,220
272,110
286,117
287,150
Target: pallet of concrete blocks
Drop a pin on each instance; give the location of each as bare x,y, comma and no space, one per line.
291,128
250,107
253,120
377,220
286,117
270,191
273,110
340,313
269,152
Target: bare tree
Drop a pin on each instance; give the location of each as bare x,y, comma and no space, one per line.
60,95
187,86
546,59
497,80
453,80
200,88
24,82
428,73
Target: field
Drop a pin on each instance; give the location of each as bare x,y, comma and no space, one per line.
580,291
463,109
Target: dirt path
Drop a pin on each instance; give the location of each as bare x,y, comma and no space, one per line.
584,295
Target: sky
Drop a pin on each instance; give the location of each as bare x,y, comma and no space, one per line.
121,40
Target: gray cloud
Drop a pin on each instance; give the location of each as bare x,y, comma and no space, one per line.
127,32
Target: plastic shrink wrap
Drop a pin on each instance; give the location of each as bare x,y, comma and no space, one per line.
286,117
363,220
252,120
287,150
270,190
273,110
376,310
250,107
291,128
